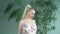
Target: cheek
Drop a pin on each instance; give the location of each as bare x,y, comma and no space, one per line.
29,14
32,14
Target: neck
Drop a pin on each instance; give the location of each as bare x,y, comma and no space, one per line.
28,18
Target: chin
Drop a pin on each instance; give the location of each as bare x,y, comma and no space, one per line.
31,17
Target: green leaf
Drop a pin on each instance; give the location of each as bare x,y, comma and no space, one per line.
9,7
14,14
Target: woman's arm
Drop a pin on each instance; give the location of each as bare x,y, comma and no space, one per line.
19,27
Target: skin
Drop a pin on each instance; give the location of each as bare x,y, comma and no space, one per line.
28,19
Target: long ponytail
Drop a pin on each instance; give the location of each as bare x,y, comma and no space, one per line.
25,10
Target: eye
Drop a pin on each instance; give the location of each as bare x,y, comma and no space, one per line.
33,13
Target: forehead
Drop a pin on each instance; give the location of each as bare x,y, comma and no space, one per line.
33,11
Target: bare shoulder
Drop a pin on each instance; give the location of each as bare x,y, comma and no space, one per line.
21,22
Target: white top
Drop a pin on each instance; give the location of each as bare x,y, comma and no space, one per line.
29,28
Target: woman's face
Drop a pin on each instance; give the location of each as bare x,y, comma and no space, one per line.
31,13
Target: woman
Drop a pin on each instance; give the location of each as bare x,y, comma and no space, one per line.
27,25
